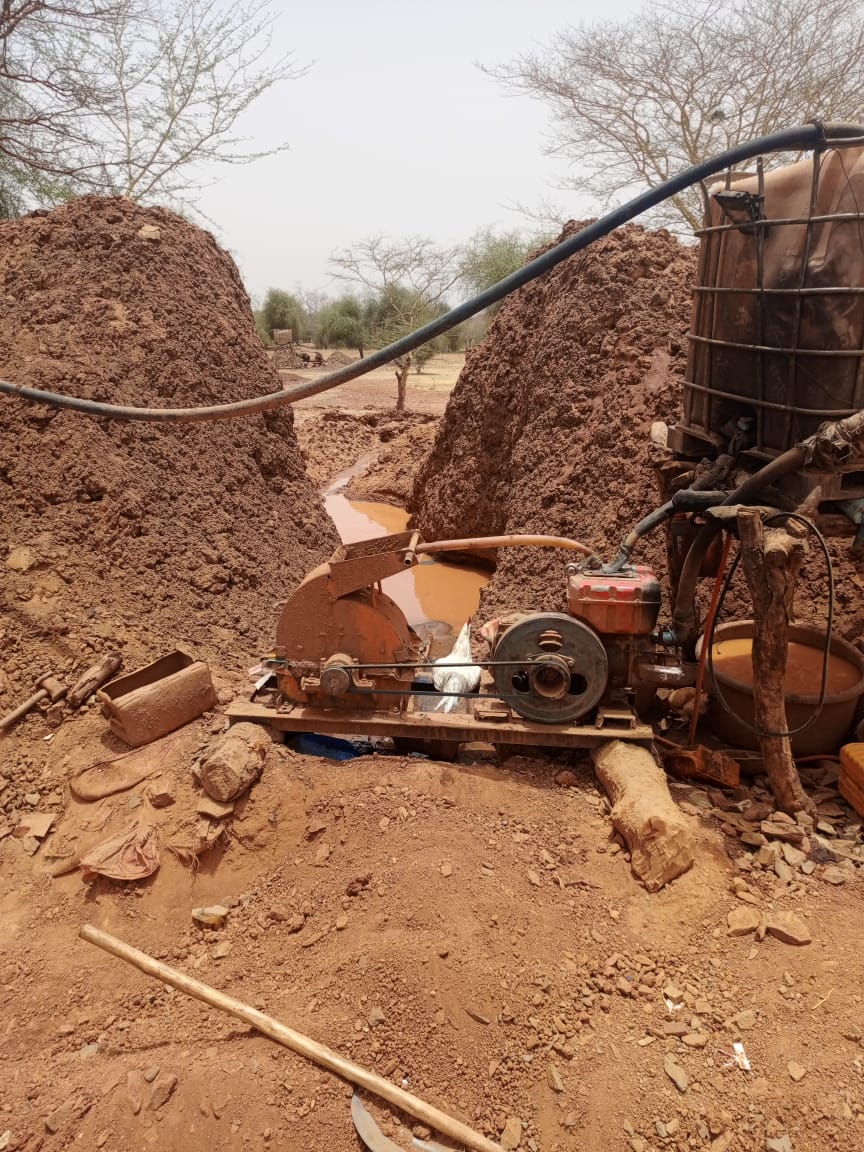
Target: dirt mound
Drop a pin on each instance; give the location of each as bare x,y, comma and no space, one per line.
548,427
379,450
140,534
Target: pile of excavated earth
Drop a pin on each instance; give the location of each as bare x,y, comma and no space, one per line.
473,932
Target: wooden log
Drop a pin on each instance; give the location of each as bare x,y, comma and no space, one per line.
304,1046
772,560
95,676
643,811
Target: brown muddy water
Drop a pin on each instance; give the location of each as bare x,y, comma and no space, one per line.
432,589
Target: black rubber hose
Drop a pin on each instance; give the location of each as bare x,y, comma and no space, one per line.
684,625
788,140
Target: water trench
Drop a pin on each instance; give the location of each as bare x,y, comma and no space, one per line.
431,591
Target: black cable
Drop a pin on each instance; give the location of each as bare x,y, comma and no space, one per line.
708,638
814,135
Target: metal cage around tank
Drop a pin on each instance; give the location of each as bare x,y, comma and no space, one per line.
776,343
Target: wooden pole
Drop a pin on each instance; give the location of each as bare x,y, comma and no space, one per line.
772,560
296,1041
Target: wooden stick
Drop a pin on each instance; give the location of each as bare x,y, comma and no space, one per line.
296,1041
772,561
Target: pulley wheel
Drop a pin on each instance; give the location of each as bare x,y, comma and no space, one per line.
559,668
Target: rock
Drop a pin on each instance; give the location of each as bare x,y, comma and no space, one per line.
37,824
341,923
675,1072
322,855
788,928
30,845
214,916
383,823
162,1091
295,923
780,830
778,1144
742,921
852,1032
673,993
376,1016
235,761
21,560
674,1028
149,232
796,1071
722,1142
745,1020
834,875
695,1039
511,1137
782,870
553,1076
566,779
446,868
213,809
32,798
315,827
533,878
67,1112
161,797
135,1088
151,1073
793,856
221,950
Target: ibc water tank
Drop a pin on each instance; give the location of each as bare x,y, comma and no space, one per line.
777,328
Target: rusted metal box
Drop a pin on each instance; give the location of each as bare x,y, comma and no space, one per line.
156,699
626,603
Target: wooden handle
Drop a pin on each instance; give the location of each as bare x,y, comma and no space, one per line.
296,1041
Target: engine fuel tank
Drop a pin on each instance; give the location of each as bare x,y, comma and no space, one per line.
625,603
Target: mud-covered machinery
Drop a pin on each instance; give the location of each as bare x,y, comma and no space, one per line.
344,647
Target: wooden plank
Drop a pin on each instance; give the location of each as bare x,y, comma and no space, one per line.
433,726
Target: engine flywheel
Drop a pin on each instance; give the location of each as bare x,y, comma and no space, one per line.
559,668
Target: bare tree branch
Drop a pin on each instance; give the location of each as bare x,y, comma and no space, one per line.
634,101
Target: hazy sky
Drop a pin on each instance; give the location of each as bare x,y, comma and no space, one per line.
393,130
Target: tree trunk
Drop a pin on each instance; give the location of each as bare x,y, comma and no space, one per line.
772,560
402,369
643,811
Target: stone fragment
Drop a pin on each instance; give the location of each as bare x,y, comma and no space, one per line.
675,1072
37,824
322,855
213,916
788,928
777,829
135,1088
695,1039
533,878
745,1020
221,950
742,921
162,1091
67,1112
20,560
213,809
554,1078
793,856
376,1016
831,875
341,923
778,1144
796,1071
511,1137
446,868
150,232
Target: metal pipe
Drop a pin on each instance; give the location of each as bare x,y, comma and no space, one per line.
815,135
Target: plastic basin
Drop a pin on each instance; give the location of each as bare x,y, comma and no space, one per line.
827,732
